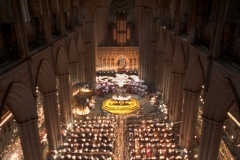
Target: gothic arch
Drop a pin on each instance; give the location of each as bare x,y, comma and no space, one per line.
179,60
23,107
46,79
219,99
194,77
72,52
192,85
93,8
176,94
168,52
80,46
62,65
21,103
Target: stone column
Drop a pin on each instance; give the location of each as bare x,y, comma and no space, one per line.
71,15
102,25
210,139
20,29
62,18
65,98
74,70
145,54
215,46
167,78
90,54
30,140
157,32
161,58
168,16
177,17
193,19
189,119
137,20
153,52
80,13
172,100
159,75
176,98
161,12
52,122
46,22
81,66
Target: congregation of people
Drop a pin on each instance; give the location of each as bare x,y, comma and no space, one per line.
151,139
103,88
137,88
92,138
132,84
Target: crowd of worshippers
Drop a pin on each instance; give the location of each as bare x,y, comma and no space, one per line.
103,88
88,139
137,88
151,139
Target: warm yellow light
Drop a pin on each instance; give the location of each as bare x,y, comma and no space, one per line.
234,119
121,107
6,117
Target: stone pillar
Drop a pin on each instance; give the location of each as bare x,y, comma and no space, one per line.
161,13
159,74
62,18
90,55
82,75
52,121
137,20
161,69
46,22
80,17
20,29
102,25
193,19
167,78
168,16
177,18
153,53
71,15
161,58
145,54
176,98
210,139
215,46
74,70
189,119
30,140
157,32
65,98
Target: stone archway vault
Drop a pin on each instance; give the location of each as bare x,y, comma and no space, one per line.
46,81
23,106
220,98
